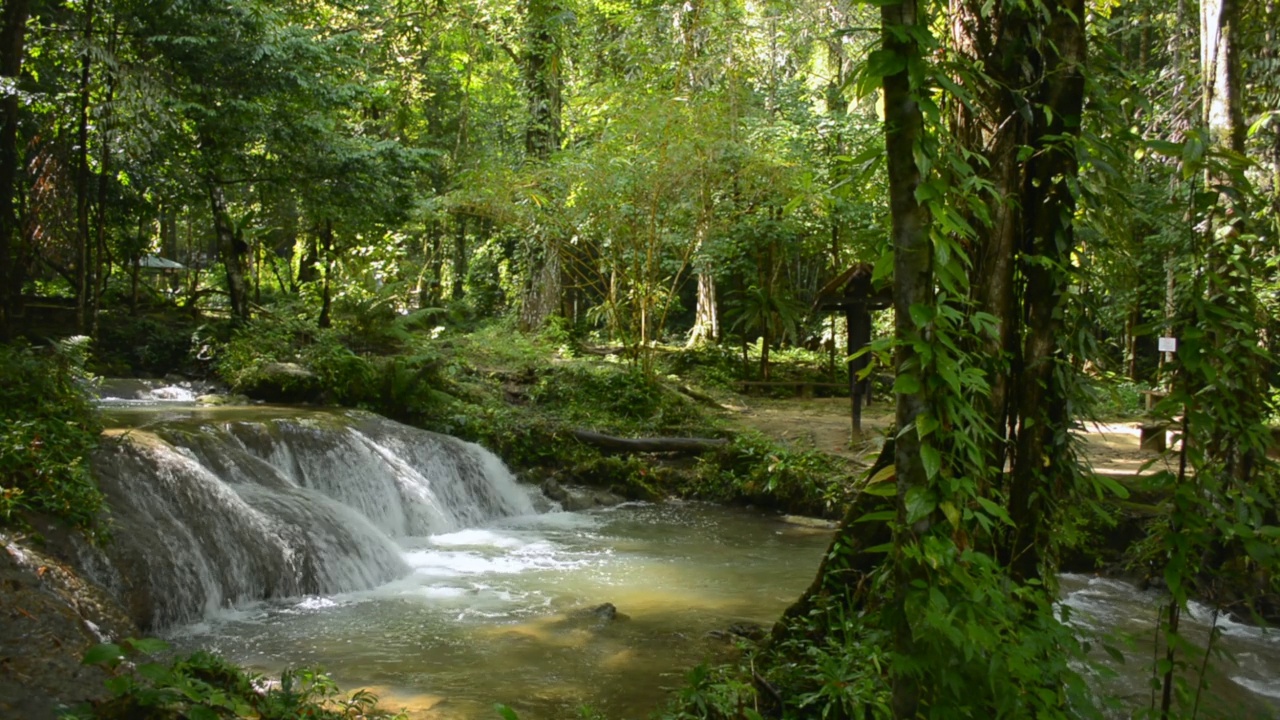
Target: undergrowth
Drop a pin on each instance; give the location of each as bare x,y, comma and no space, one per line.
48,428
204,686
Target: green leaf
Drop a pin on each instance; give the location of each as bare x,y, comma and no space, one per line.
995,511
1112,486
106,653
147,646
879,516
157,673
200,712
881,490
506,712
920,502
925,425
882,62
932,460
906,385
885,473
953,514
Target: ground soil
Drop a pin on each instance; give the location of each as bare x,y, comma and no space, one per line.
824,424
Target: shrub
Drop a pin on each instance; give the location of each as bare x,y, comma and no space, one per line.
48,428
756,469
155,344
250,361
613,397
205,686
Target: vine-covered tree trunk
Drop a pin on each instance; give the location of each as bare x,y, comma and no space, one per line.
995,126
1048,201
13,27
912,289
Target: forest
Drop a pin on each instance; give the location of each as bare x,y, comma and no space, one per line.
586,233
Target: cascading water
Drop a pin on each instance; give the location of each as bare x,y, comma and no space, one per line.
225,508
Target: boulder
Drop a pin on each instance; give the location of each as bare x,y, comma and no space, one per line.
575,498
49,617
284,382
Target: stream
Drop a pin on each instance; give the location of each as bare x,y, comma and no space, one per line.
412,564
496,614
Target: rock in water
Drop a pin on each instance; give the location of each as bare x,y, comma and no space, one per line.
576,498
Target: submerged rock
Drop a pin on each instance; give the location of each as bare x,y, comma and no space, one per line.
596,616
740,631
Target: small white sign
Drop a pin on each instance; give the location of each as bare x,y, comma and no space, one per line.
1168,344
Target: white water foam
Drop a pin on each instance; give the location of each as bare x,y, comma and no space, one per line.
221,515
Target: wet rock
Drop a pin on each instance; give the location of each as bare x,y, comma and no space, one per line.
809,522
285,382
49,617
219,400
596,616
574,498
739,631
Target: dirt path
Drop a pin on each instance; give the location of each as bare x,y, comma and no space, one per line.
819,423
823,424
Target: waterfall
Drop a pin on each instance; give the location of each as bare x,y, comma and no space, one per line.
216,512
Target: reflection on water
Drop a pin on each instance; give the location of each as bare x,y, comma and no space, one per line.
501,613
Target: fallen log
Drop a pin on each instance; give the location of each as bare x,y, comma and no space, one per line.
789,383
700,396
654,444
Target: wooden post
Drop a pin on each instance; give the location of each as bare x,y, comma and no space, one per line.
855,406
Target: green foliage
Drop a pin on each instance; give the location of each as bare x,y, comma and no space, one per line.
713,694
48,428
286,356
707,365
754,468
605,396
203,686
154,344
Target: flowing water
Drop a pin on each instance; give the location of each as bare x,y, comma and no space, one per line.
1242,677
502,613
413,563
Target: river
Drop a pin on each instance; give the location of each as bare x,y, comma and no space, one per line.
414,565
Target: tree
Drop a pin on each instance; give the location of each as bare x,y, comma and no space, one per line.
13,26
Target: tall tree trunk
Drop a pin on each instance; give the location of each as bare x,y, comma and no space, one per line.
1220,65
706,322
326,255
995,39
233,251
1049,205
13,28
706,319
913,285
83,247
459,257
309,263
543,80
103,267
